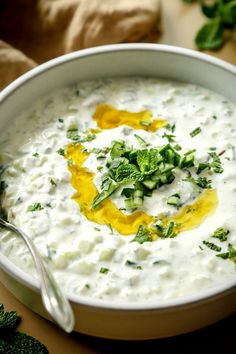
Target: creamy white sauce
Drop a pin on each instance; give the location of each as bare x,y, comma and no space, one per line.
75,248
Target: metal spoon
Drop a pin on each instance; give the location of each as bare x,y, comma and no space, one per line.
53,299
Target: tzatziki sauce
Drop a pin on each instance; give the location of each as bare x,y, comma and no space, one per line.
127,188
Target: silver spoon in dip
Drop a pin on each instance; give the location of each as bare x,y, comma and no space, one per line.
53,299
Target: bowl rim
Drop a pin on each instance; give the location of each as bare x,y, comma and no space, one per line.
162,305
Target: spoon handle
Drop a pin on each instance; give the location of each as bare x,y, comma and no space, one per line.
53,299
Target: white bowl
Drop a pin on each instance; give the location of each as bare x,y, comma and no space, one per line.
102,318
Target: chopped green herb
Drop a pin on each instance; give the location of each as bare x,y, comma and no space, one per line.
111,229
195,132
165,231
104,270
100,168
97,229
72,134
140,140
170,127
215,163
36,154
177,147
53,183
60,120
221,234
201,182
130,263
87,286
117,148
142,235
212,246
70,162
61,152
169,137
108,187
231,254
34,207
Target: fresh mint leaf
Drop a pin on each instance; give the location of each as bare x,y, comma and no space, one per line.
148,160
117,148
210,36
128,173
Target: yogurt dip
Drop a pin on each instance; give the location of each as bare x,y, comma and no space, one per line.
127,188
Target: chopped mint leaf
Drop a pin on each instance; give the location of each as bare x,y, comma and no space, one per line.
201,182
100,168
111,229
108,187
87,286
72,134
165,231
34,207
215,163
231,254
97,229
142,235
61,152
221,234
148,160
60,120
117,148
170,127
140,140
212,246
177,147
127,173
36,154
169,137
104,270
195,132
53,183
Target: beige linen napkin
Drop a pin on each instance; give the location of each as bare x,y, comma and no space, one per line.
33,31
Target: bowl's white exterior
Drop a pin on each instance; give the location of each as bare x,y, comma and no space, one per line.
106,319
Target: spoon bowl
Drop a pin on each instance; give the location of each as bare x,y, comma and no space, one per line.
53,299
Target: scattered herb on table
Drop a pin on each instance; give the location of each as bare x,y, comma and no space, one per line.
15,342
221,16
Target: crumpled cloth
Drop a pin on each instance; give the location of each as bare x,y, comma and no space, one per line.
34,31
